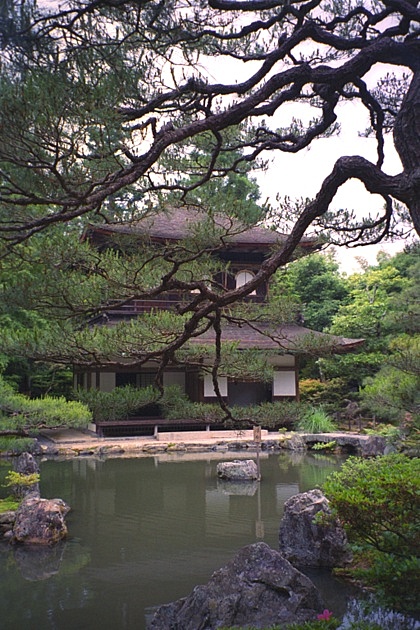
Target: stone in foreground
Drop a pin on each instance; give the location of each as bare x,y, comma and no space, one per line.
238,470
309,541
40,521
257,588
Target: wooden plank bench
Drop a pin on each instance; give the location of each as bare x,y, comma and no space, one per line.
150,426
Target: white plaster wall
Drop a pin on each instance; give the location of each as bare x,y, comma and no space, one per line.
107,381
174,378
283,360
284,384
209,389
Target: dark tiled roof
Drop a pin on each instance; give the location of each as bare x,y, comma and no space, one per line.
177,223
288,338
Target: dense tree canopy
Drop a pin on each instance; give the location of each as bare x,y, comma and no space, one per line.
108,110
101,100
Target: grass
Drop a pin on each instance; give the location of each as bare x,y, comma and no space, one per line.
316,420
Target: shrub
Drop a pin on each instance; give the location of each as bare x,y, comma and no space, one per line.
118,404
20,482
326,393
378,502
21,412
16,445
316,420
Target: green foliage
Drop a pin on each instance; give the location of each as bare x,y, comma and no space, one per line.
324,446
176,406
22,413
118,404
326,393
395,390
378,500
373,312
313,281
8,504
322,624
21,483
316,420
21,480
395,579
15,445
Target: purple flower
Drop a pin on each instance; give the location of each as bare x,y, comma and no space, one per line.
326,615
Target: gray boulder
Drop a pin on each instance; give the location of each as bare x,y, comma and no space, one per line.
257,588
305,541
26,464
40,521
238,470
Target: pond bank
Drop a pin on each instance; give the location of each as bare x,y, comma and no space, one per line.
74,443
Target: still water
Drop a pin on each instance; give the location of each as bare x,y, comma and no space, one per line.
144,532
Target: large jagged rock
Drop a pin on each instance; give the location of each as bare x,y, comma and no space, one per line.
257,588
40,521
27,465
305,541
238,470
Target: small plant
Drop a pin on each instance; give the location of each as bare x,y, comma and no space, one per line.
16,445
324,446
316,420
9,504
20,482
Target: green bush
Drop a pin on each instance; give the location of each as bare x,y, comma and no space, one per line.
16,445
20,482
20,413
118,404
316,420
327,393
378,502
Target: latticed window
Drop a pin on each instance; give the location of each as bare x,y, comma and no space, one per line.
243,277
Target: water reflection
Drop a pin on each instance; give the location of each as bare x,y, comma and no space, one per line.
38,562
143,532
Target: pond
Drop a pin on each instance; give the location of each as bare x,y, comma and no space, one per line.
144,532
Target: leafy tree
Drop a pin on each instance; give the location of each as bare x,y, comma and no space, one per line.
316,284
104,103
382,305
394,392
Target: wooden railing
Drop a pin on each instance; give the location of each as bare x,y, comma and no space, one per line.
135,307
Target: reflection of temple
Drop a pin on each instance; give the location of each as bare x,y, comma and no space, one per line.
240,253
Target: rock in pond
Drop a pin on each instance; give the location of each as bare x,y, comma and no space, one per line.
238,470
40,521
257,588
306,541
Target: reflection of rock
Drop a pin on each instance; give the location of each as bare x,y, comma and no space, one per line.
238,470
305,542
40,521
7,520
257,588
38,562
244,488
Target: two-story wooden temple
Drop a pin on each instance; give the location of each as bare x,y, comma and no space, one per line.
243,250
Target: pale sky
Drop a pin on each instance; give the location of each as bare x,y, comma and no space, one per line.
300,175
